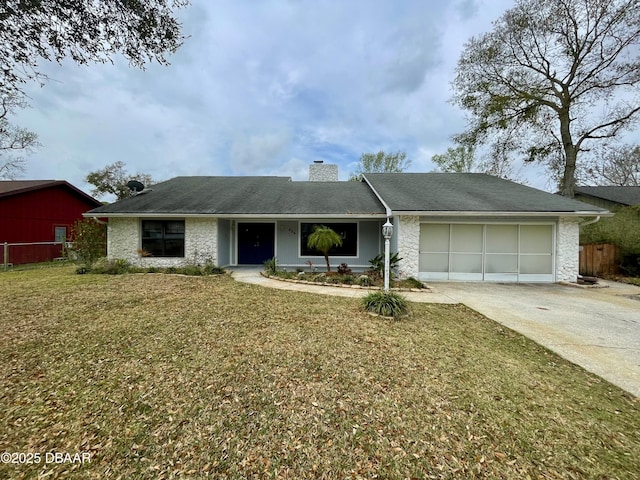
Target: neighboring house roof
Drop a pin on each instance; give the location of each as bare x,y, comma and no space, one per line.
233,196
15,187
621,195
468,193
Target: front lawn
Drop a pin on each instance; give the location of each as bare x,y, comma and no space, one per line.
163,376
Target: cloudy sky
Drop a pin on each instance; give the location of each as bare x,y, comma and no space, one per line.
265,88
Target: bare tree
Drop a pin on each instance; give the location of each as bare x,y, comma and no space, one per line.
14,140
618,166
551,78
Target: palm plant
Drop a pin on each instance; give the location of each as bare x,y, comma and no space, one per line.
323,239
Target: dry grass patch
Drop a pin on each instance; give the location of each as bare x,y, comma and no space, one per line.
161,376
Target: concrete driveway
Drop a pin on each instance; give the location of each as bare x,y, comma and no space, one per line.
596,328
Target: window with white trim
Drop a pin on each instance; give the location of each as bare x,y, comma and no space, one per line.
347,231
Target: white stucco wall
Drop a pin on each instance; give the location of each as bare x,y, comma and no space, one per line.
124,241
567,249
407,229
201,240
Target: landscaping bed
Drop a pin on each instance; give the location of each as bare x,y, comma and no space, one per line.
348,281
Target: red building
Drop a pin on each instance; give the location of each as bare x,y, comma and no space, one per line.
40,213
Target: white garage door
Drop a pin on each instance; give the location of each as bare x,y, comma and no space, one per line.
497,252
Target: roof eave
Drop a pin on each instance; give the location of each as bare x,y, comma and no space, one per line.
475,213
233,215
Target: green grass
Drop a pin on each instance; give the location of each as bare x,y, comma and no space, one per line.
163,376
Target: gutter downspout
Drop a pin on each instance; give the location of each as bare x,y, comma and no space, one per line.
388,210
589,222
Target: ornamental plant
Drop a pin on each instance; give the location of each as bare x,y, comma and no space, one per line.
324,239
89,241
387,304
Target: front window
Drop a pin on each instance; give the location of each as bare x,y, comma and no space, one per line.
348,232
163,238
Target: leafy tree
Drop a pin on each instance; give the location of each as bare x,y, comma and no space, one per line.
86,31
619,166
324,239
381,162
456,160
13,139
89,240
462,159
551,78
113,179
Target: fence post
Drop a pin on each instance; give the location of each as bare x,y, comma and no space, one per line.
6,254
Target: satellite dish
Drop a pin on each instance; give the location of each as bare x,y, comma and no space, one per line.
135,186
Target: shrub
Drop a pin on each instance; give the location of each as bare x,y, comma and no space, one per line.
412,283
630,265
320,277
377,262
387,304
364,281
89,241
623,230
116,266
374,275
193,270
271,266
211,269
343,269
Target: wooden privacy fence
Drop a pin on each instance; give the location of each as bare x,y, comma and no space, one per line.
599,259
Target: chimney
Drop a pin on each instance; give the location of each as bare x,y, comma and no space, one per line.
323,172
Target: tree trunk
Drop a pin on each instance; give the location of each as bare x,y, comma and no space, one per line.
568,184
569,179
326,259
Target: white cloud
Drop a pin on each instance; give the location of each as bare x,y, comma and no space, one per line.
258,154
265,88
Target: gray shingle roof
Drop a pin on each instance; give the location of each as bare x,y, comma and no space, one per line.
249,196
621,195
402,192
466,192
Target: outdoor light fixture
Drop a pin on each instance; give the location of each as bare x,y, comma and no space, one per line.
387,231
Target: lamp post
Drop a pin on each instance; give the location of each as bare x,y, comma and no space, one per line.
387,231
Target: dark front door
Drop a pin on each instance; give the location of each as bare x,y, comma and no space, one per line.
255,243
